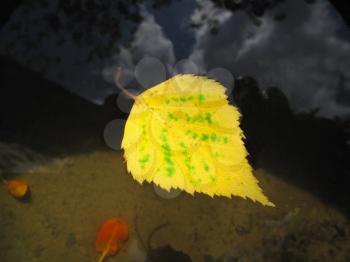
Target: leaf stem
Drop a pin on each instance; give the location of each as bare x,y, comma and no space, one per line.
102,257
120,86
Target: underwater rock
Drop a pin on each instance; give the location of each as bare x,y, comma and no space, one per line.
163,253
167,254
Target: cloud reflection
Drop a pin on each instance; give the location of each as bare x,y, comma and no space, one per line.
303,55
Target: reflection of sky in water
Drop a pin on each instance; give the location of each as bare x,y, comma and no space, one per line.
307,54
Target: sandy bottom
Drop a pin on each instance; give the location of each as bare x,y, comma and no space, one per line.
73,196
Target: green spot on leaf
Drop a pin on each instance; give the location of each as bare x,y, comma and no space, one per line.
188,118
163,137
204,137
168,160
208,118
143,160
197,118
201,98
166,146
170,171
172,116
183,99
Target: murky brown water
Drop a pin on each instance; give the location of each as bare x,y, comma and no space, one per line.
73,196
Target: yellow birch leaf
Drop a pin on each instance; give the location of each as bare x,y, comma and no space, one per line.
184,134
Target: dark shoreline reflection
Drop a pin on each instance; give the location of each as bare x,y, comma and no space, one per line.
303,148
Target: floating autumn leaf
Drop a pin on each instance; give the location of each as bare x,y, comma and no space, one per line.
184,134
111,237
17,187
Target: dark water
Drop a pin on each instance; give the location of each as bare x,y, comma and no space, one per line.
285,65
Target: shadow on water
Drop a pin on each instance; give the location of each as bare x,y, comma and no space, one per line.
302,148
40,115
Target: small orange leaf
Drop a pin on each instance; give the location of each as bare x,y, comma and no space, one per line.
111,236
17,187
